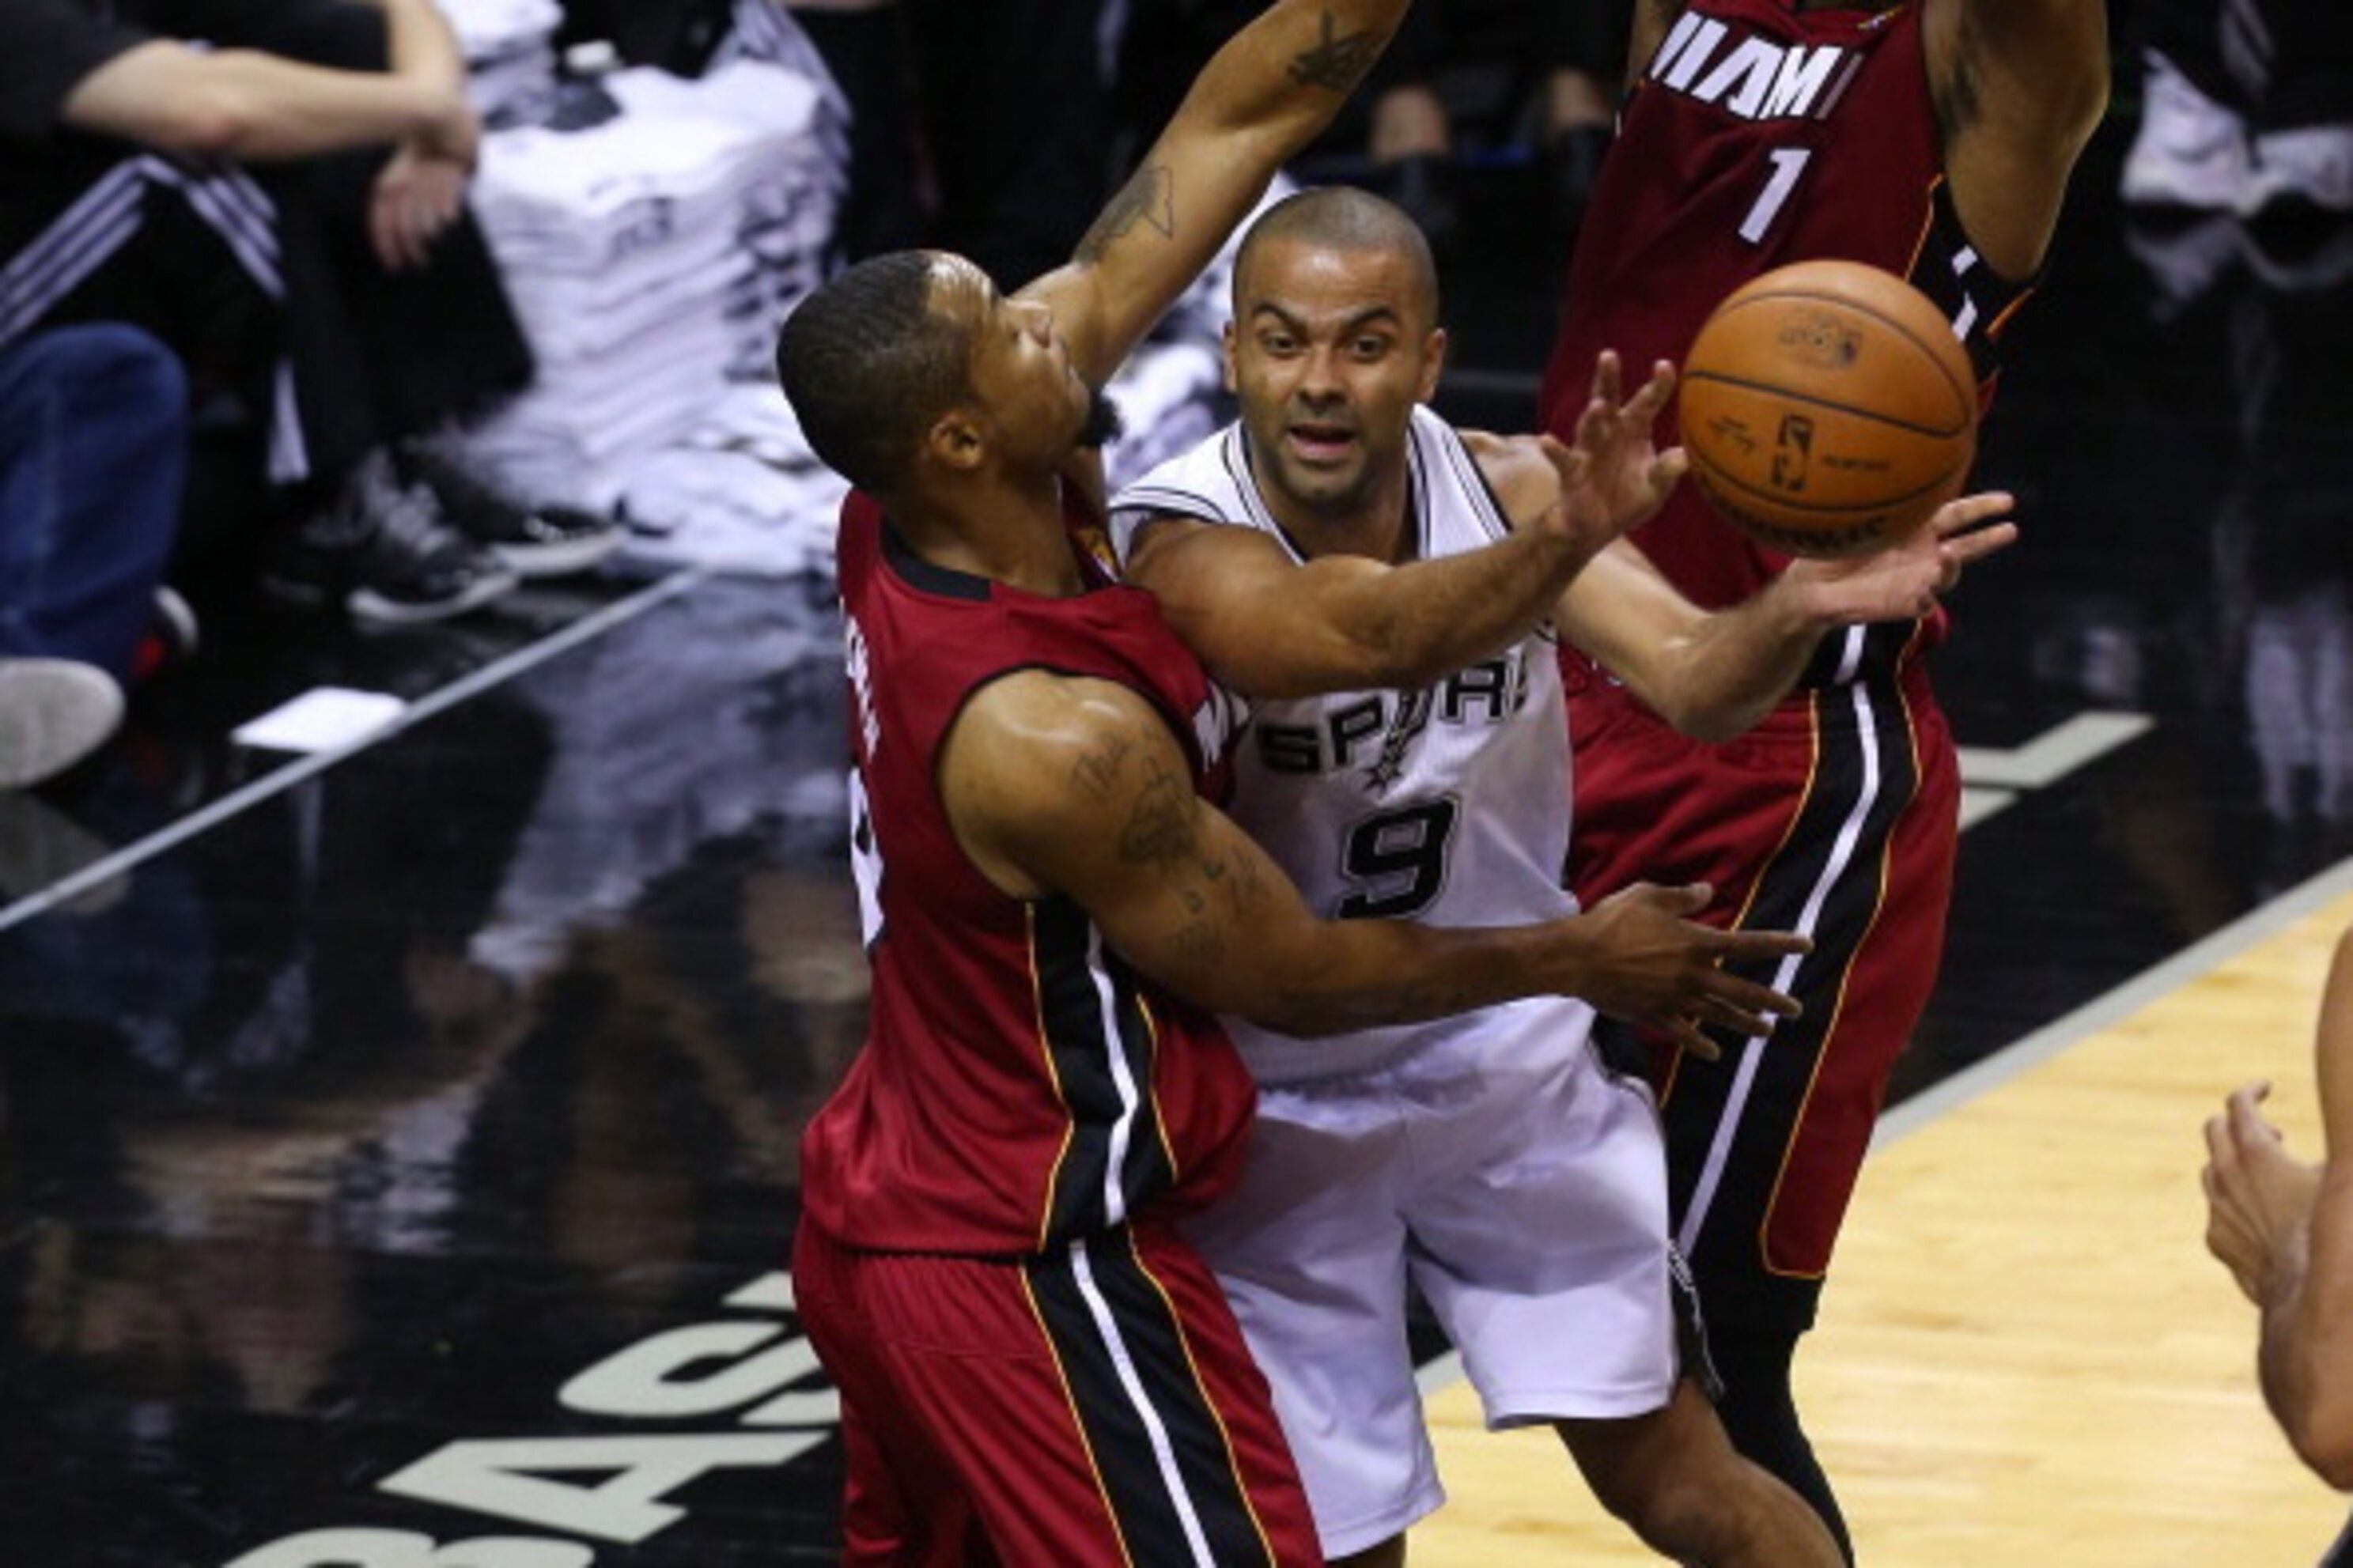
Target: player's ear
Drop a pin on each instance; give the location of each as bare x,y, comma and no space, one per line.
1433,361
955,440
1233,379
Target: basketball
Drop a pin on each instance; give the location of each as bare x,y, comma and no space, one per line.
1828,408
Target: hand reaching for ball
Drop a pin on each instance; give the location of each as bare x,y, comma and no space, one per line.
1904,581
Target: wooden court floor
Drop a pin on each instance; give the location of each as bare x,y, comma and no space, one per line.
2026,1356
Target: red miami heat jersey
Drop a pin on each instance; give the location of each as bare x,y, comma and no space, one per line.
1767,135
1020,1085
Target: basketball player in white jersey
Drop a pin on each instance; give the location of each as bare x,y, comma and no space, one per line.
1406,762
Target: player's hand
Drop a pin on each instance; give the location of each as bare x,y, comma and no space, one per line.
1656,968
2258,1197
417,195
1612,476
1904,581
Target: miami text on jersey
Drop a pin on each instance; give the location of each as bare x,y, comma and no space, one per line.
1753,76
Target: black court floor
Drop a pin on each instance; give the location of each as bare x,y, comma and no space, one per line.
397,1143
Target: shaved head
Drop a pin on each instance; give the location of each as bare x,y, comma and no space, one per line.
1340,218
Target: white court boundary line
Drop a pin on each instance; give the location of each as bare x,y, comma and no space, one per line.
277,781
2106,1012
2031,1051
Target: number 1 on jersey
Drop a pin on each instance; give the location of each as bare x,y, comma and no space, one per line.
1788,164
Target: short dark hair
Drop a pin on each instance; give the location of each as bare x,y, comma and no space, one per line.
1342,217
868,365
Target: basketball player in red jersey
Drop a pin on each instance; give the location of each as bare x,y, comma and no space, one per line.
1935,139
1033,1369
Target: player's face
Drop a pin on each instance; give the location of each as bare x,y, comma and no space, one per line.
1329,351
1034,403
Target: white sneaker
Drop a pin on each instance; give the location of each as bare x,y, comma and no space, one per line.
53,713
2312,164
2190,151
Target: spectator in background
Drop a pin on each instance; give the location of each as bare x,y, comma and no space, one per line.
93,448
1583,44
336,289
2284,1230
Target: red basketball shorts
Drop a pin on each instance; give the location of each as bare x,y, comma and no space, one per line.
1094,1406
1838,817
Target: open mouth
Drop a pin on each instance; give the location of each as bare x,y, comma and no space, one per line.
1320,443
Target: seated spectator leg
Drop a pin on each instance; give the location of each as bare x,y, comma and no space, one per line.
93,451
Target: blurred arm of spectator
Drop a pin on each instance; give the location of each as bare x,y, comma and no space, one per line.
422,188
2285,1227
253,106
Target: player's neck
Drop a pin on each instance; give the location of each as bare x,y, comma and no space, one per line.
1378,527
991,526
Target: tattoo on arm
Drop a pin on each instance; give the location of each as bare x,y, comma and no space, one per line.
1337,64
1160,825
1098,772
1149,197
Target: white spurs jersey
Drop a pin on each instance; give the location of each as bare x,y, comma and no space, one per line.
1447,805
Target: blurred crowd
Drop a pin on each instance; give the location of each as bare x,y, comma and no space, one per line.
385,307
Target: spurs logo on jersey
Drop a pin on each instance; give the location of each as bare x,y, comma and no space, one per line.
1375,731
1751,76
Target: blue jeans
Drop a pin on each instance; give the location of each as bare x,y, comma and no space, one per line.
93,454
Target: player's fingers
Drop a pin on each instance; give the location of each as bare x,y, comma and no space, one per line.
1968,512
1653,394
2247,1122
2221,1142
1978,544
1687,900
1749,999
1607,379
1668,469
1687,1036
1742,946
1745,1023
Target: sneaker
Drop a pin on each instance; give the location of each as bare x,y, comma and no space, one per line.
171,637
2190,152
541,540
385,553
53,713
2310,166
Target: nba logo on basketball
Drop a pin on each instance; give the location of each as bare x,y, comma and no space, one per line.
1792,446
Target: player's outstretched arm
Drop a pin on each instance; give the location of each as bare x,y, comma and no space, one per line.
1272,628
1713,675
1077,786
2284,1228
1260,99
2019,86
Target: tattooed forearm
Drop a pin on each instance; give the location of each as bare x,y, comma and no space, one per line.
1148,198
1337,64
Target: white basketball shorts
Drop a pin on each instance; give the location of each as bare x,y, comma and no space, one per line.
1523,1189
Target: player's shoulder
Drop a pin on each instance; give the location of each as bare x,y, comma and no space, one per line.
1039,721
1521,477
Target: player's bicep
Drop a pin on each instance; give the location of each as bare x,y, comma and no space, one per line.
1080,787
